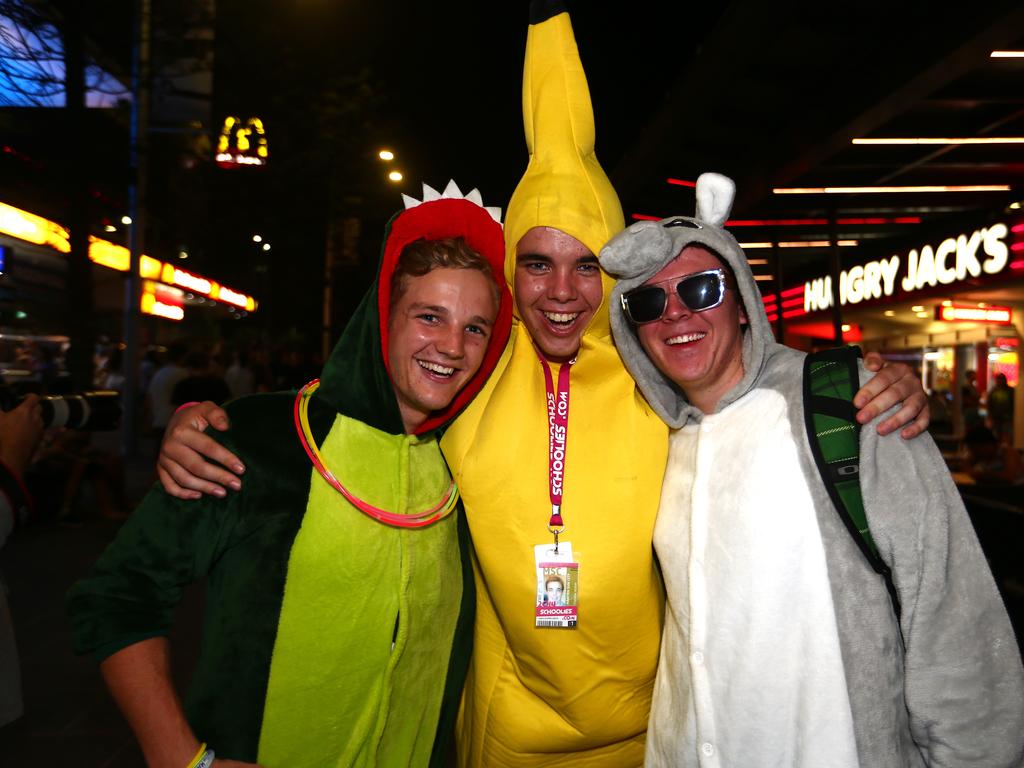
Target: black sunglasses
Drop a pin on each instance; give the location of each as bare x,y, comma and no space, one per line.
700,291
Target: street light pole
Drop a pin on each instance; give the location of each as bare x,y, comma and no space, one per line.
136,207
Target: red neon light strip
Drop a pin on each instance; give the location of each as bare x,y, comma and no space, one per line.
768,298
793,291
1017,247
793,313
793,302
775,222
681,183
1017,228
644,217
772,318
1017,264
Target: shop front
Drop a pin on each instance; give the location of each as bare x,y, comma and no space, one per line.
953,308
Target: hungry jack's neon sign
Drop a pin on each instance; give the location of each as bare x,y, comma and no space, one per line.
983,251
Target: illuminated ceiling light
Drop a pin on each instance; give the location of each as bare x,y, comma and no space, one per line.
182,254
922,314
800,244
973,140
882,190
757,262
682,183
807,222
110,228
812,222
889,313
386,155
1015,206
947,303
918,308
817,244
257,238
395,176
764,277
266,246
1006,55
846,327
982,304
126,220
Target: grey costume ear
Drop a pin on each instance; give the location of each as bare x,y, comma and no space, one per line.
715,194
636,250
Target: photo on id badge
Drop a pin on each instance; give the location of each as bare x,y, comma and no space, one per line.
557,586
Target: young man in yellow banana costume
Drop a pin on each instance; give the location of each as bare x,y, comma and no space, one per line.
539,695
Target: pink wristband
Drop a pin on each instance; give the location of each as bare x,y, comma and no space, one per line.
186,405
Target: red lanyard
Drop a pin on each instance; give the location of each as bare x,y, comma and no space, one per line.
558,425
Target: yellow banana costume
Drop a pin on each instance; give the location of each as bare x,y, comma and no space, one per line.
580,697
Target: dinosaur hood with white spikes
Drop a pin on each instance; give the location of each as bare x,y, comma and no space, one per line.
642,250
355,380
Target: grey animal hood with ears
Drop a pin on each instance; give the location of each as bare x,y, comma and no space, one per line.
642,250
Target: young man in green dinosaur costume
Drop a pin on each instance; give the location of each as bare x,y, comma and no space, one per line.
328,631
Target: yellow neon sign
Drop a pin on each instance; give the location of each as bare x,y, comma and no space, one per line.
150,303
957,313
242,143
36,229
114,256
33,229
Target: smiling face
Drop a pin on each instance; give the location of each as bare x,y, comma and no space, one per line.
437,336
557,289
700,351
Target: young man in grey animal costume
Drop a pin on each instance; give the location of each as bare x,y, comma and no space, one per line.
781,646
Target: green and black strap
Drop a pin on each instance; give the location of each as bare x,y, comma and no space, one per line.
830,382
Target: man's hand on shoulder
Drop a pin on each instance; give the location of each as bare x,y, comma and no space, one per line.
185,467
893,384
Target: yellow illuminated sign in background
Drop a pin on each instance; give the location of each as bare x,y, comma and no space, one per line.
956,313
242,143
35,229
162,300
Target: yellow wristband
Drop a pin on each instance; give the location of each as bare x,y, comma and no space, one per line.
199,756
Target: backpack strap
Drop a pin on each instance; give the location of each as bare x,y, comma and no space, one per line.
830,381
